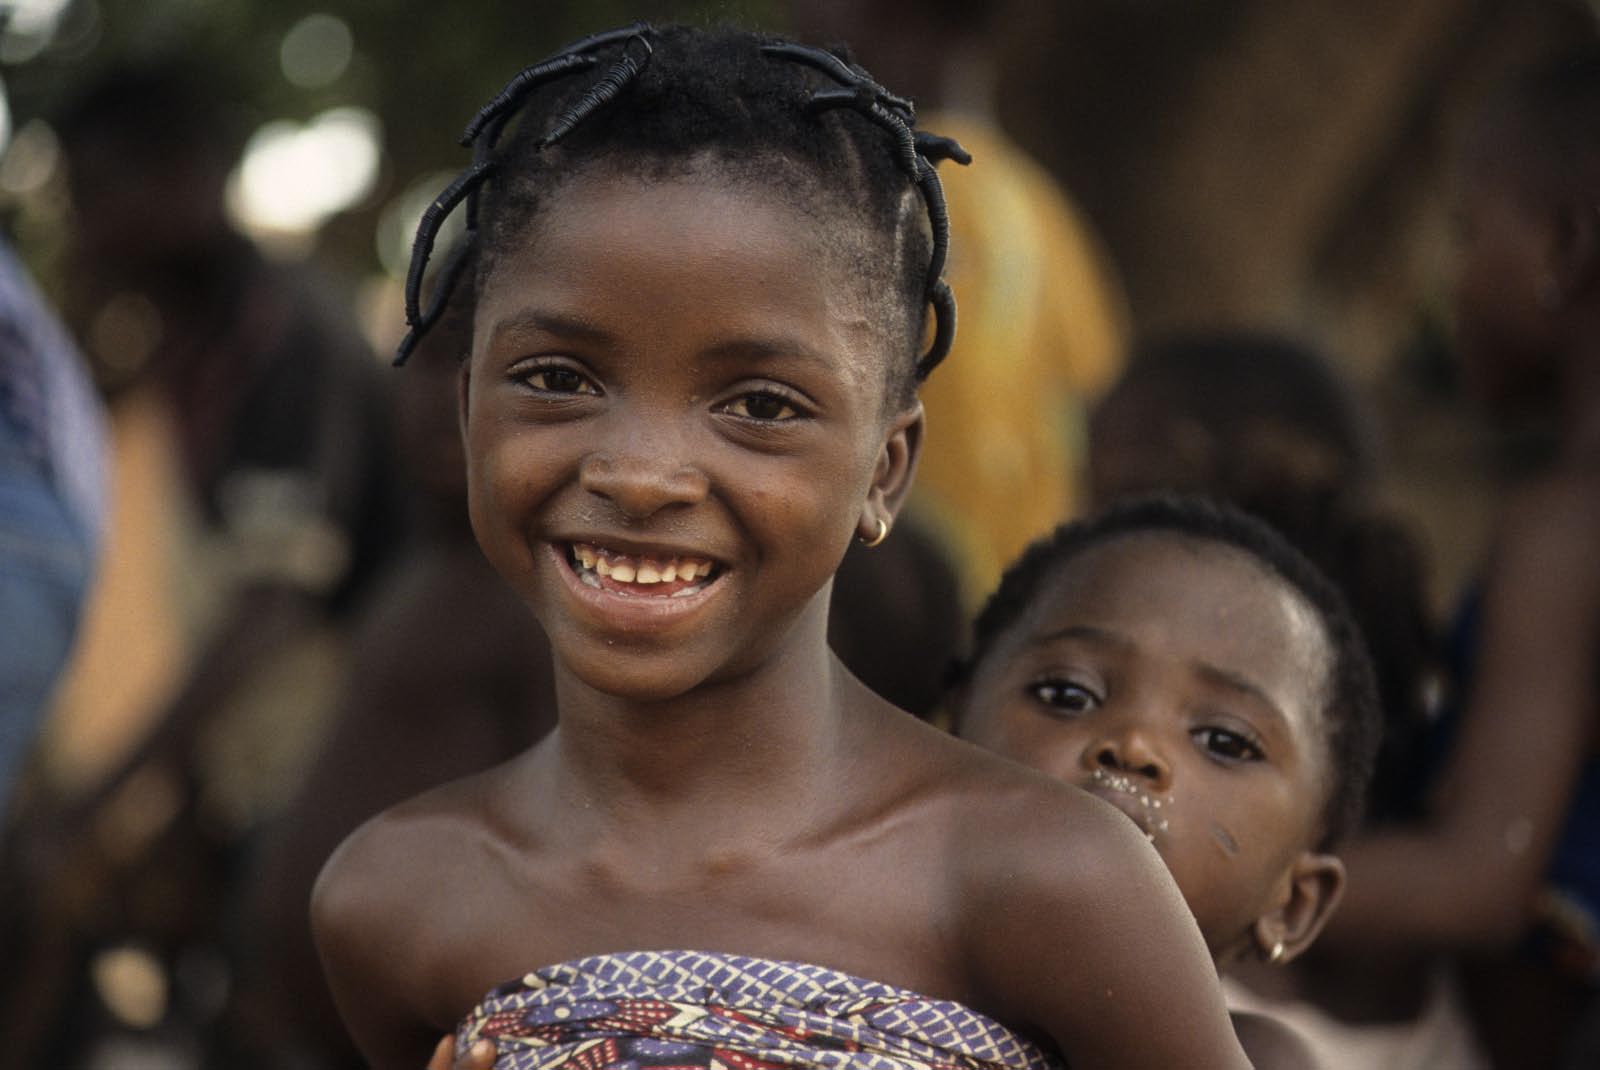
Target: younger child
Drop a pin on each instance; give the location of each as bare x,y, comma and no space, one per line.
1183,662
705,264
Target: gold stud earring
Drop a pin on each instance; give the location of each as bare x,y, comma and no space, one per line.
1275,956
883,533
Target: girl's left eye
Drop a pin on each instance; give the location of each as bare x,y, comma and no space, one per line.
558,381
762,405
1064,697
1227,745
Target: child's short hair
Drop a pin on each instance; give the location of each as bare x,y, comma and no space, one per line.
798,122
1350,714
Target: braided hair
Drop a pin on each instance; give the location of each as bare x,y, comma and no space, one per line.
802,123
1351,721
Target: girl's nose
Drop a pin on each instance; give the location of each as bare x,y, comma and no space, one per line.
642,478
1132,752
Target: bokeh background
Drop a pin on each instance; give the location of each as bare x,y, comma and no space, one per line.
1260,162
1280,165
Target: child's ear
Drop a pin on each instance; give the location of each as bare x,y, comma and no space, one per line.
891,479
1314,886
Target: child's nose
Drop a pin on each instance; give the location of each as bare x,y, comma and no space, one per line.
1132,752
641,477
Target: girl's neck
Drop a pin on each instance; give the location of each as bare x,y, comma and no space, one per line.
768,734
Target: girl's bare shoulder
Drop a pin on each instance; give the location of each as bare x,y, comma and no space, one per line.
417,858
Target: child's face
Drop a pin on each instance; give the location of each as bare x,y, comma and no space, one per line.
675,423
1177,679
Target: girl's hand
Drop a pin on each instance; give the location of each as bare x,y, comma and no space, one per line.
478,1057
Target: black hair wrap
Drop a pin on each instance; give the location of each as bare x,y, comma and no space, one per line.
915,153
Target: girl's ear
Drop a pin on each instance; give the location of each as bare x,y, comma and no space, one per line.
1315,886
891,480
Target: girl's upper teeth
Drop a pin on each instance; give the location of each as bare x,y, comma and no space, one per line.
626,569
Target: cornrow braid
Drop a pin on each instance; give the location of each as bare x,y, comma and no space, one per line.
669,93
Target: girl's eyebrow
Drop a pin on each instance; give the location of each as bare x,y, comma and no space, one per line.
562,326
1087,633
1212,674
576,328
1232,681
766,348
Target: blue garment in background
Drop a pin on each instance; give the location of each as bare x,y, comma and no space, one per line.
52,507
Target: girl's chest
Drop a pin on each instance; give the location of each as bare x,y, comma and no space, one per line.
882,918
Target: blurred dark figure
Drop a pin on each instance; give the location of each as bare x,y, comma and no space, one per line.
449,674
1507,870
279,423
1042,314
1266,422
896,619
52,508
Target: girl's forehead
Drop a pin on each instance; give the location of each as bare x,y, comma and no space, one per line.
688,257
1185,595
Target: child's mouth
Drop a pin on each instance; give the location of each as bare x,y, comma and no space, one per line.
1124,793
641,575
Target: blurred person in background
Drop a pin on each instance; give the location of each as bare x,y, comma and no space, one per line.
52,508
285,506
1495,878
1504,869
448,675
1043,316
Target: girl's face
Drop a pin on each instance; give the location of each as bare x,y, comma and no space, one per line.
675,423
1178,680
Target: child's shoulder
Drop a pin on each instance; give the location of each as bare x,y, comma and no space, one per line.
393,906
1061,905
1006,822
399,866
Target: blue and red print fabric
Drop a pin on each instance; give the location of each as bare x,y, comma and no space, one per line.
686,1010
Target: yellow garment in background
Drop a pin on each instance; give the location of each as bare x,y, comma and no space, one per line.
1041,327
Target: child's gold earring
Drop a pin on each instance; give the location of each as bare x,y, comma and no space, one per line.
883,533
1275,956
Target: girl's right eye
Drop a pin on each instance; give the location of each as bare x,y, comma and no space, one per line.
557,380
1064,696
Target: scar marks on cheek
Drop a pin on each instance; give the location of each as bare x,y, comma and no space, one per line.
1224,838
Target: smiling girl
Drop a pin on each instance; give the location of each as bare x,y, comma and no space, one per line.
706,260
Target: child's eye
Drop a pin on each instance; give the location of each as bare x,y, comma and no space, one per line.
762,405
1227,745
1065,696
558,381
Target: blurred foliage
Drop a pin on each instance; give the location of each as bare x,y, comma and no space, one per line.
423,68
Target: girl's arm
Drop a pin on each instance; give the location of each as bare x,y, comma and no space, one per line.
1466,878
1077,930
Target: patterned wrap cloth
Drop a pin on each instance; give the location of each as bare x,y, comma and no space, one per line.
675,1010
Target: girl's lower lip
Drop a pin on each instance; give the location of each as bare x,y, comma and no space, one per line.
629,610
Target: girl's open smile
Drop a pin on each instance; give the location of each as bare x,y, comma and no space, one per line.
652,574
